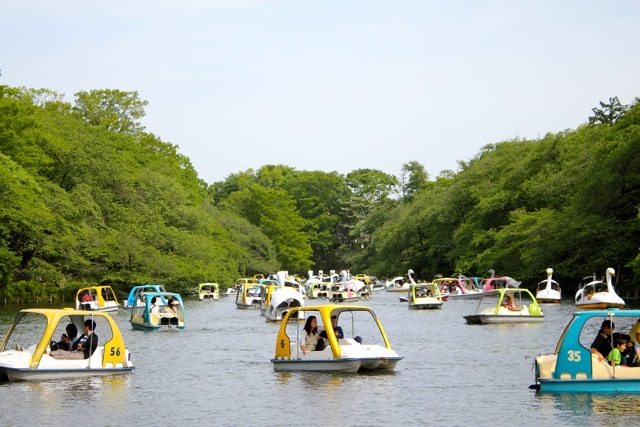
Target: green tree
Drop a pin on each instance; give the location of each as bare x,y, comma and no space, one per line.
112,109
609,113
416,178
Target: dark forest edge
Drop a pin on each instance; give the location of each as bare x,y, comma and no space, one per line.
87,196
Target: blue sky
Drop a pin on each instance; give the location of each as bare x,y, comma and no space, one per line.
333,85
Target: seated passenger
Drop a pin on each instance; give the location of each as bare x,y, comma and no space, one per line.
155,307
507,303
85,347
336,329
69,339
615,355
628,354
311,340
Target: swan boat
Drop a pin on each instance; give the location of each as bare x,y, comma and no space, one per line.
230,291
37,328
208,291
134,298
492,307
549,290
599,295
155,314
573,368
423,296
282,299
96,298
400,283
459,287
349,354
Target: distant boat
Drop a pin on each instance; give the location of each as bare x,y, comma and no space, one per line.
208,291
154,314
549,290
424,296
599,295
96,298
506,305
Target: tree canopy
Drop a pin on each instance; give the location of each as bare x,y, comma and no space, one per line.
87,196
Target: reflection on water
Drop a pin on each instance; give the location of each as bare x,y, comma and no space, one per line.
593,409
218,371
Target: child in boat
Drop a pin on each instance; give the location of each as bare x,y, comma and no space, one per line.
615,355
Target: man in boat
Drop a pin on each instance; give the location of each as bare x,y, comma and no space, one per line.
336,329
601,346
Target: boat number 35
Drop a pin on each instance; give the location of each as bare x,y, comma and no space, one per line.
115,351
574,355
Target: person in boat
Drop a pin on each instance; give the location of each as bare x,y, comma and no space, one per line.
171,306
602,343
615,355
86,297
634,334
628,354
68,340
85,346
508,303
336,329
311,339
155,307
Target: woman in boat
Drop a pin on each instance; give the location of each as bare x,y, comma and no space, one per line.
311,340
68,340
171,306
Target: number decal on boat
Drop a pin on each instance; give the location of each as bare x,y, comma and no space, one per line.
574,356
115,351
281,343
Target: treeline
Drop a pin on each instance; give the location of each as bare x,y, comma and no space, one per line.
88,196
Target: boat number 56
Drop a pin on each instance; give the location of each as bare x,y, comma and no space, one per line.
115,351
574,355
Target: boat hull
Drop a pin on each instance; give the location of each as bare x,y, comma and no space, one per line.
549,300
599,306
57,374
474,295
477,319
578,386
347,366
426,306
143,327
252,306
379,363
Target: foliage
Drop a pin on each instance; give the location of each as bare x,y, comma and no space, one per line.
87,196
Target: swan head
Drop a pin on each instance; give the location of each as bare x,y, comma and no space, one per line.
549,271
611,271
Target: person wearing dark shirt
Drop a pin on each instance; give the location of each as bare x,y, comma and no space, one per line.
336,329
602,345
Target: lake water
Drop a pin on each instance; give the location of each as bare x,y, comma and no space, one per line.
218,372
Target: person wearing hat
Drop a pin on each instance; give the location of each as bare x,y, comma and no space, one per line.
602,345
